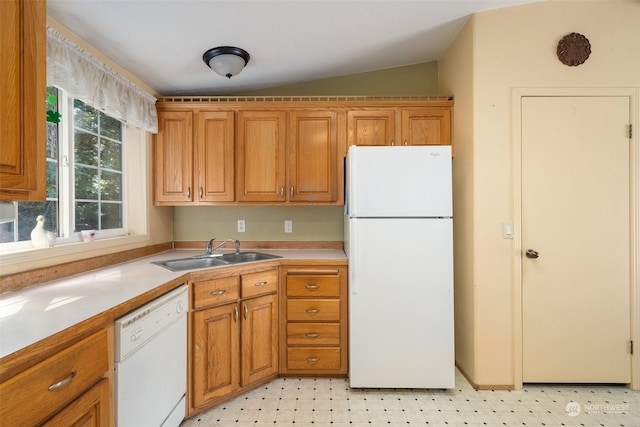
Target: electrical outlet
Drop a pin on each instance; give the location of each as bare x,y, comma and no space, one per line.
241,226
288,226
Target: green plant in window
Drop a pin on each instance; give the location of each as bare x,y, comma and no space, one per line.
52,116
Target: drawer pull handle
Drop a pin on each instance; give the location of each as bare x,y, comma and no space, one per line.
218,292
260,283
313,286
313,335
313,359
64,381
235,314
246,311
313,310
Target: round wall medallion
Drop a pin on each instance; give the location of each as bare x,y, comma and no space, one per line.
573,49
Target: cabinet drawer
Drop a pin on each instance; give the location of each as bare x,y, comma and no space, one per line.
313,359
313,310
54,382
313,286
215,291
313,334
262,282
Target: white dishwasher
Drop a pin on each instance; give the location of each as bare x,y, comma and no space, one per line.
151,362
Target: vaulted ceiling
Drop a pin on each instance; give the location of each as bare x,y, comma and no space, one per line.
290,41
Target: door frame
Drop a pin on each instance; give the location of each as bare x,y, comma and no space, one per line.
634,199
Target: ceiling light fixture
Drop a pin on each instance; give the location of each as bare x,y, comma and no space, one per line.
227,61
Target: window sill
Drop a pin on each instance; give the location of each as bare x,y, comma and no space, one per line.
34,255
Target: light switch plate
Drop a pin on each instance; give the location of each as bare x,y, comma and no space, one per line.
507,230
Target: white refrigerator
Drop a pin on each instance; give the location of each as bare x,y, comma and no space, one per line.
399,241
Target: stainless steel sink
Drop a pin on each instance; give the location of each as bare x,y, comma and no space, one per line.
205,261
234,258
191,263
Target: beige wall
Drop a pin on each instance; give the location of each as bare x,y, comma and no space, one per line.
457,79
263,223
417,79
514,48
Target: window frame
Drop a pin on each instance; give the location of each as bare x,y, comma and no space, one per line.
134,166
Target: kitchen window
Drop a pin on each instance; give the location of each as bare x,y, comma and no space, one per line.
86,177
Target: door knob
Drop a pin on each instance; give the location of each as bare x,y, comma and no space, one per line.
532,254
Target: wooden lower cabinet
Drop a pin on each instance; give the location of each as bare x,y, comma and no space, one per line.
216,353
72,387
92,409
314,327
234,344
259,338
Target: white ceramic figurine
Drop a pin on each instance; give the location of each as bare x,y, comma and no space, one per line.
41,238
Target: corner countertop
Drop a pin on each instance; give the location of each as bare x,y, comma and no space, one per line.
37,312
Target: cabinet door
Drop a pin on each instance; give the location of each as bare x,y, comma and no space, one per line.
91,409
22,100
261,150
173,151
377,127
215,156
313,145
259,338
216,352
426,127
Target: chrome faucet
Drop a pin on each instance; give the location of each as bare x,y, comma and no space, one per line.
211,248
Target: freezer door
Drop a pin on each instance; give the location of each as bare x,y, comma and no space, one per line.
401,303
402,181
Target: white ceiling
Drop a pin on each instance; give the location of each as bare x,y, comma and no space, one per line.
290,41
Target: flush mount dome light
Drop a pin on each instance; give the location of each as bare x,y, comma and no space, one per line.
227,61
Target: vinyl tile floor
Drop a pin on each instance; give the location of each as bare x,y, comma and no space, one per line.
330,402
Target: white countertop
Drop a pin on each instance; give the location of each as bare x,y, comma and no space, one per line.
37,312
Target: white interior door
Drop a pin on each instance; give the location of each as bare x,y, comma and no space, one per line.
576,217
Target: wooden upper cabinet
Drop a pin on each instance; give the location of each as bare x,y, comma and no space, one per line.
173,152
274,153
371,127
194,157
313,148
261,151
23,50
215,156
429,126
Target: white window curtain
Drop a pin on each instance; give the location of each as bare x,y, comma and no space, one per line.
85,77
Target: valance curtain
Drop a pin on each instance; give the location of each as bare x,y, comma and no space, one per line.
85,77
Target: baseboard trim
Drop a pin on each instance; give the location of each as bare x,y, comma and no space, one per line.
485,386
